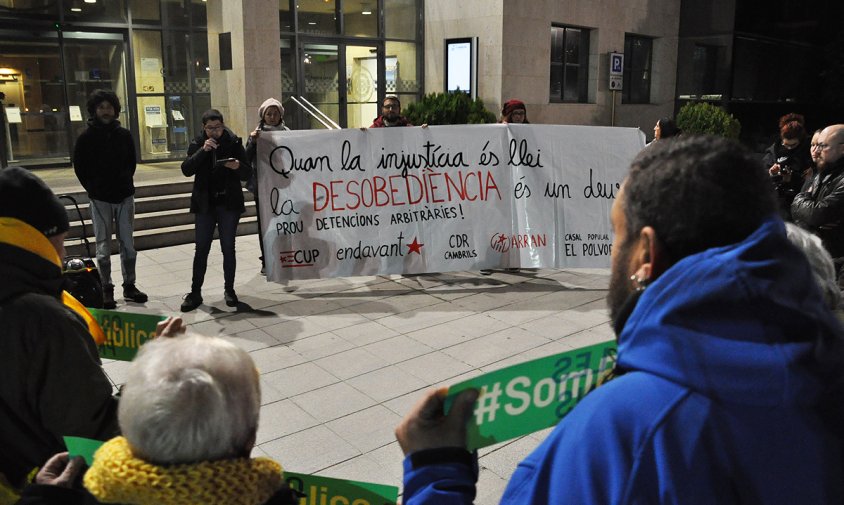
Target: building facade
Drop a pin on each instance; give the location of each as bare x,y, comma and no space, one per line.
332,62
554,56
170,60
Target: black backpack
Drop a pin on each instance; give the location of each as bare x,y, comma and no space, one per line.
82,278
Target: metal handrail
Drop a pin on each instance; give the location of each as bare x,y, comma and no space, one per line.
312,114
314,108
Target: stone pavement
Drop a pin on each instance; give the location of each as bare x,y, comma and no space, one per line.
343,359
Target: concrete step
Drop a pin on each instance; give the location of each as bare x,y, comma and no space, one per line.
162,218
162,237
159,219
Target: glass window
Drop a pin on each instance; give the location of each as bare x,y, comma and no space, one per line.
401,68
199,62
144,10
149,75
317,16
102,11
400,19
360,18
31,78
176,79
201,103
179,114
569,64
285,16
30,9
288,68
638,52
173,13
199,14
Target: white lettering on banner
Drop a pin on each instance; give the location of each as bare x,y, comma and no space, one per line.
439,199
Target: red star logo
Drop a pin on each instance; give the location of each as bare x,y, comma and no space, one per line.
502,238
414,246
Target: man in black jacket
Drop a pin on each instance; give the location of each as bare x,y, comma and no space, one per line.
104,161
218,161
51,382
820,208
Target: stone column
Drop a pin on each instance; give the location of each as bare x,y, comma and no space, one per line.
256,59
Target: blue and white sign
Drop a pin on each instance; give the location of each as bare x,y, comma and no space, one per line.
616,80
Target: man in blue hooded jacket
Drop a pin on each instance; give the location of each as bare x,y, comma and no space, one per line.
728,384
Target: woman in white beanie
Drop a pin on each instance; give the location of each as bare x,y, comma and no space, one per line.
271,114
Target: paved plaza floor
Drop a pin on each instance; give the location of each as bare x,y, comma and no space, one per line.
343,359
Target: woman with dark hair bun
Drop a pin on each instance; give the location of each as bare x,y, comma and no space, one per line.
665,128
787,160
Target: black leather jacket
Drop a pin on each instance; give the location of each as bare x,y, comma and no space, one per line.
820,208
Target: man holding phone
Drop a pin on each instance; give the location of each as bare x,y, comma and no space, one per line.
217,159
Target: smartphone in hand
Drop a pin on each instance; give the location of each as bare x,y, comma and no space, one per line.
222,162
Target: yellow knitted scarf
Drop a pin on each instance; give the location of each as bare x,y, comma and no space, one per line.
119,477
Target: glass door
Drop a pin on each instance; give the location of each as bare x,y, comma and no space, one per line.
341,81
32,81
362,85
321,80
46,80
93,61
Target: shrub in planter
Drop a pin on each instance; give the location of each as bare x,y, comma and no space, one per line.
448,108
701,117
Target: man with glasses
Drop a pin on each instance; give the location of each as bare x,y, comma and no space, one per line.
217,160
820,208
390,114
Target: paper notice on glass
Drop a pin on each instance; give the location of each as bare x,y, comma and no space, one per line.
150,65
177,116
75,113
152,115
14,115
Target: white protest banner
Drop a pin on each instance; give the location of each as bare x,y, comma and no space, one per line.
439,199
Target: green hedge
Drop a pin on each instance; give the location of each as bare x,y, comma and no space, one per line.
448,108
701,117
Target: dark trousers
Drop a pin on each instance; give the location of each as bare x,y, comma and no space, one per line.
226,222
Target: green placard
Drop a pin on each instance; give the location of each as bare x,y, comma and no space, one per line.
85,447
327,491
532,396
125,332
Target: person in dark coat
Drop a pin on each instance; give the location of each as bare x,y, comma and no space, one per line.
104,161
217,160
819,208
51,381
787,160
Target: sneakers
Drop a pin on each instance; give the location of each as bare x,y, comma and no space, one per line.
133,294
191,301
108,297
231,297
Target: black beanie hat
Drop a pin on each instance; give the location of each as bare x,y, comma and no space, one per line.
24,196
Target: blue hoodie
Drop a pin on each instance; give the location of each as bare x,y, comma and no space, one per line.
717,405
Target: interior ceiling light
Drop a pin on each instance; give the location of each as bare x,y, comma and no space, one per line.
75,9
90,1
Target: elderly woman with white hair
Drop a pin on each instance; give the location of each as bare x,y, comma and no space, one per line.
189,415
823,268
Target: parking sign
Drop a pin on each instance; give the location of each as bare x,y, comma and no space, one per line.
616,71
